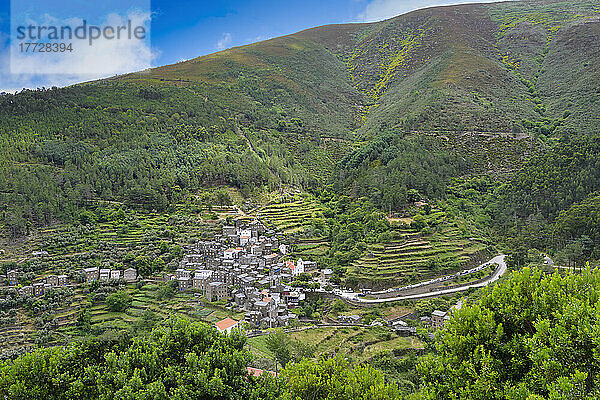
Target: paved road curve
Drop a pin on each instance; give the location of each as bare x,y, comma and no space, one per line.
501,270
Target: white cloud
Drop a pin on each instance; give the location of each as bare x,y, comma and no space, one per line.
104,58
378,10
224,42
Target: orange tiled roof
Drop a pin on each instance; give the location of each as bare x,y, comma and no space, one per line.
258,372
225,324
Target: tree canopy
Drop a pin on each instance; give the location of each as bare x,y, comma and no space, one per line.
178,360
530,337
334,379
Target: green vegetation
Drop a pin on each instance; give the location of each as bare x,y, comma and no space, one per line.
357,344
392,171
541,205
118,301
390,111
556,179
164,365
535,42
335,379
290,214
417,249
149,154
64,314
392,153
178,360
286,350
533,336
349,225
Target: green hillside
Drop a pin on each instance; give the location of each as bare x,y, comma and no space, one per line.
390,112
287,110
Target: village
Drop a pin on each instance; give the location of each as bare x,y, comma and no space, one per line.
243,267
247,268
91,274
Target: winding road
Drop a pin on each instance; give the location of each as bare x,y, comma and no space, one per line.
501,270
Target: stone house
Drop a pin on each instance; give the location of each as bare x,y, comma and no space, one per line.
13,277
115,274
240,299
63,280
130,275
229,230
271,259
184,283
182,273
216,291
326,273
27,290
202,279
104,274
91,274
253,318
52,280
438,319
38,289
227,325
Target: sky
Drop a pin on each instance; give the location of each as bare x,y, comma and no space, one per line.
176,30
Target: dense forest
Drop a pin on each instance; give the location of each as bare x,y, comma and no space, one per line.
549,203
392,167
149,154
390,111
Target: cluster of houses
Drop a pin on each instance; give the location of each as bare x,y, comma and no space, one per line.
106,274
244,266
38,288
53,281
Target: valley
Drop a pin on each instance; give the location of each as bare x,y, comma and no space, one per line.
368,204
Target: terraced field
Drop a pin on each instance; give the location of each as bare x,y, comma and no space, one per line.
358,344
144,299
226,211
23,332
16,335
311,248
131,231
290,213
413,257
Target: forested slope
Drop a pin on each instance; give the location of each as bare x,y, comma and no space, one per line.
377,109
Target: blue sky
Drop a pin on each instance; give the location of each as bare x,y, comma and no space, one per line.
186,29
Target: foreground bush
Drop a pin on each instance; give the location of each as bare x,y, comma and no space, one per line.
180,360
530,337
334,379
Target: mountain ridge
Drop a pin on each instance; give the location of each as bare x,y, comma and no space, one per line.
454,48
289,110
